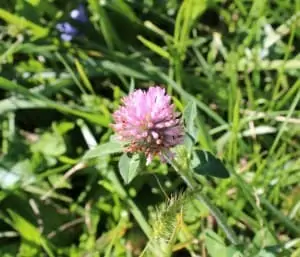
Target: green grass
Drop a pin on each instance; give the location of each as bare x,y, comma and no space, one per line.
236,62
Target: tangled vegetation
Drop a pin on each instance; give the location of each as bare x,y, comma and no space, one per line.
232,70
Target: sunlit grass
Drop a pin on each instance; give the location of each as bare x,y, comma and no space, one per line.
237,61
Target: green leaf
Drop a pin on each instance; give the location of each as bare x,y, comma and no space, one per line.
102,21
19,172
43,101
26,229
125,9
188,13
103,149
129,167
189,115
263,238
204,163
233,252
84,76
265,253
215,245
154,47
22,23
32,238
51,144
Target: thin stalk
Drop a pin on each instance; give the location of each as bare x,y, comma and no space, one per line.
173,237
145,249
135,211
220,218
291,226
281,70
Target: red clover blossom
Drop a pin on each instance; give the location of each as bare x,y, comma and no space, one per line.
148,123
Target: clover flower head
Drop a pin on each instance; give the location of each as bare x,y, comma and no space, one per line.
148,123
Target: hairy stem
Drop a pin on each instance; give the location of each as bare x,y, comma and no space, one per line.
220,218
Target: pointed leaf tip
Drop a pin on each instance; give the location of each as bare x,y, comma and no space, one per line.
129,167
205,163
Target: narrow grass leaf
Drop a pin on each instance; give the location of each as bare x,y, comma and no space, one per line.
189,11
23,23
38,98
284,124
102,21
123,69
132,207
188,96
69,69
103,150
123,8
221,219
259,130
29,232
293,227
84,76
155,48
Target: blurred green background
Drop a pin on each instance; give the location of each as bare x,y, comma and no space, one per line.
65,65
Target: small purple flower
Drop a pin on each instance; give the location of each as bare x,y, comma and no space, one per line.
79,14
148,123
67,30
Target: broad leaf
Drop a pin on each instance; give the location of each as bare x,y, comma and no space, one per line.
214,244
103,149
129,167
51,144
265,253
204,163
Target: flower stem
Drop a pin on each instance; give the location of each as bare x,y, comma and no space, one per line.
220,218
135,211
